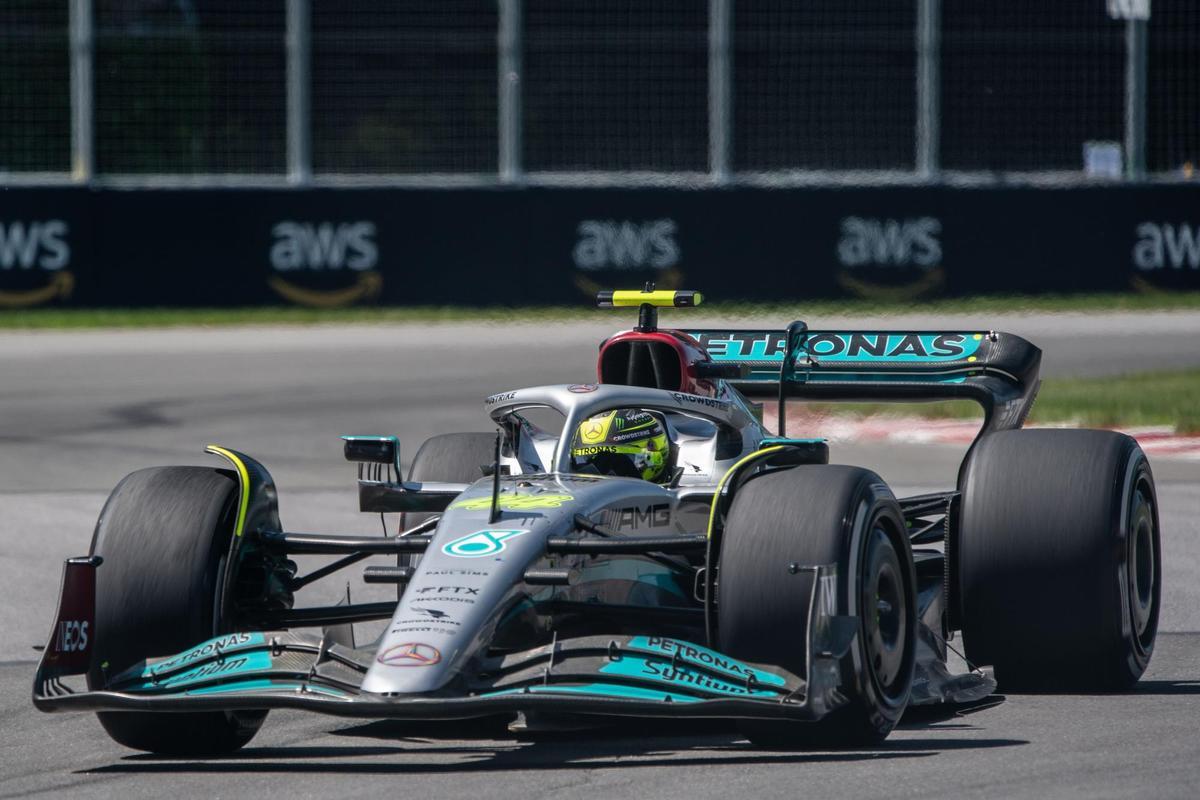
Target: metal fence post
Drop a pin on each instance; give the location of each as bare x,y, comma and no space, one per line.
508,47
83,163
299,92
1135,97
720,89
929,87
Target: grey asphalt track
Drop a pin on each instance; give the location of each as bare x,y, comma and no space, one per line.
78,410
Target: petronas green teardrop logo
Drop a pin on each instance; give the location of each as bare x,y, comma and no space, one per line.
480,543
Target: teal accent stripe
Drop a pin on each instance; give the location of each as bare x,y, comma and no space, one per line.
710,659
232,664
683,676
226,644
861,377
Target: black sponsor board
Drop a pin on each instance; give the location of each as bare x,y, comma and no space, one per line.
480,247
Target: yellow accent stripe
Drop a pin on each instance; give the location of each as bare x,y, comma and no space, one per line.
712,512
663,298
243,479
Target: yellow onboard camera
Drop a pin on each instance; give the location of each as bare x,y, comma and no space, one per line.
648,301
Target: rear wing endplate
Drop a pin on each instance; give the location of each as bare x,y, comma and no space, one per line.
997,370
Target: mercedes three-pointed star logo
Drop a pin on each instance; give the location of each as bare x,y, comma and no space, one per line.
410,654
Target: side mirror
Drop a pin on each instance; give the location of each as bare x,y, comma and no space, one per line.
373,450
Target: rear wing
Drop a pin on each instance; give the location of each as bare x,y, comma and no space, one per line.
997,370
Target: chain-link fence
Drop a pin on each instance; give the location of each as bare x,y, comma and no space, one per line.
1173,96
615,85
544,91
1026,83
183,88
825,85
403,87
35,87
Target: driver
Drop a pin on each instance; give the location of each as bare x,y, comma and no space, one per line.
626,442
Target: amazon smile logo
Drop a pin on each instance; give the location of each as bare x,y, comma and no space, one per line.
325,264
890,259
33,260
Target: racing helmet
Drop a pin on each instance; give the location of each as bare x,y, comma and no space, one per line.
626,442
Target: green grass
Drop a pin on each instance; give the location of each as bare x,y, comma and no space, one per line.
1148,398
1163,398
778,313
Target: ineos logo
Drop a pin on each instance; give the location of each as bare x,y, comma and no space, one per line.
609,244
324,246
42,244
72,636
890,242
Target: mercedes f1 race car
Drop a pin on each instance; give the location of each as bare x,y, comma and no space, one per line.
651,551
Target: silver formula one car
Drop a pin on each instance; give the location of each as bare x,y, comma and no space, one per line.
660,555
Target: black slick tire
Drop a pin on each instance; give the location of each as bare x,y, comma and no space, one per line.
450,458
164,535
446,458
816,515
1058,559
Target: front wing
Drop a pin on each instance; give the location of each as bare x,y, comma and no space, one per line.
647,676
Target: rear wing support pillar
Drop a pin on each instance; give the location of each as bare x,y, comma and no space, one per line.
796,337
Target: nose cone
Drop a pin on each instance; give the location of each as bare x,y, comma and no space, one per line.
466,578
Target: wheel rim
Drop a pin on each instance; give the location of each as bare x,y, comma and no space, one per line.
1142,568
884,613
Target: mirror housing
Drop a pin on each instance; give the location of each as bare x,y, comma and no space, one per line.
373,450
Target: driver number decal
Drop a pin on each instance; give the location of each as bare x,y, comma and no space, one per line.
515,502
481,543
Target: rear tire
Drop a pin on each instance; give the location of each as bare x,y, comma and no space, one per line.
446,458
164,535
1059,560
813,515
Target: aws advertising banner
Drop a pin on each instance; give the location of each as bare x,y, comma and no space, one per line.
326,247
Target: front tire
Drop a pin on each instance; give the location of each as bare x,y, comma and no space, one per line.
815,515
1059,560
164,535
